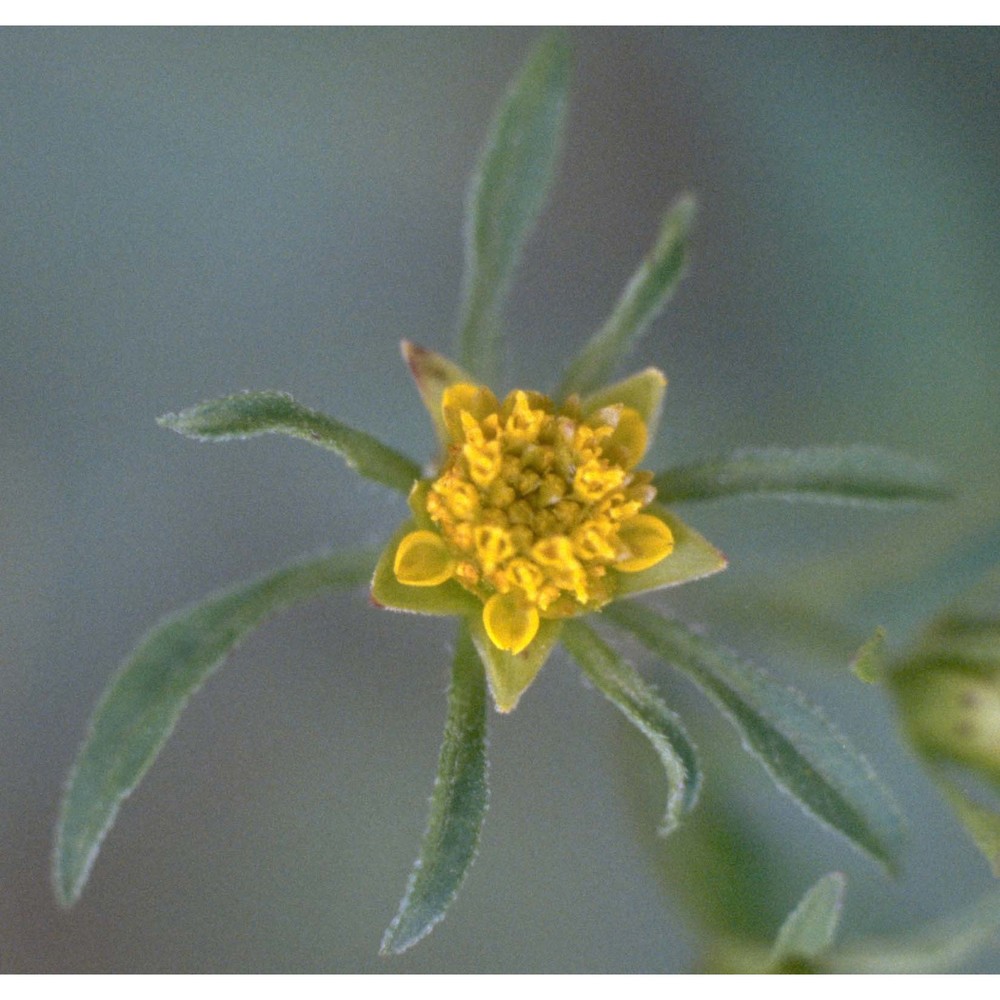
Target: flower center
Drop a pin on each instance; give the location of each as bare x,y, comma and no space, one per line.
534,506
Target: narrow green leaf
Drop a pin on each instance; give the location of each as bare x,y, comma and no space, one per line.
617,679
869,663
852,474
511,674
644,297
809,931
458,806
139,709
506,194
940,947
803,753
248,414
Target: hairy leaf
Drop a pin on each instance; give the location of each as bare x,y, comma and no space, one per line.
644,297
458,806
618,681
801,750
248,414
852,474
141,706
506,194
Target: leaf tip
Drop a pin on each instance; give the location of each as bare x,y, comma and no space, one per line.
868,664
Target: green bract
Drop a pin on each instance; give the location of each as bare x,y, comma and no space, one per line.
537,512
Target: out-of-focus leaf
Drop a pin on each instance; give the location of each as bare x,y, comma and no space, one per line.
800,749
693,557
981,822
511,674
853,474
139,709
506,194
248,414
941,947
618,681
458,806
809,931
869,662
648,291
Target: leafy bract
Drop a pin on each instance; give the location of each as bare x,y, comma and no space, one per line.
623,687
448,598
642,391
510,674
458,806
433,373
801,750
141,706
506,194
693,557
248,414
809,931
644,297
852,474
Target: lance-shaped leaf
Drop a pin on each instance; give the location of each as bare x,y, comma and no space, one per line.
248,414
801,750
939,947
809,931
852,474
644,297
506,194
458,806
618,681
141,706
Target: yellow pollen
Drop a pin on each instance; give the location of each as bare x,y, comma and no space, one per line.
536,509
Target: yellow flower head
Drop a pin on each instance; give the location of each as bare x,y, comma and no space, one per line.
536,509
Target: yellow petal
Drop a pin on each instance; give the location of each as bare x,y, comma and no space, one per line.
423,560
647,540
510,621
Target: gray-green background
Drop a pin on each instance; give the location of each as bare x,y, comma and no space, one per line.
186,213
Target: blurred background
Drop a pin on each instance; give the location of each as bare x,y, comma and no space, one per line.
191,212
